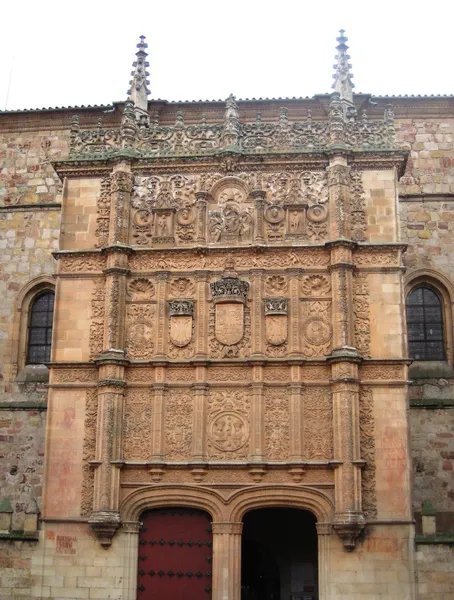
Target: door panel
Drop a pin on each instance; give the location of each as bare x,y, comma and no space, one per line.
175,555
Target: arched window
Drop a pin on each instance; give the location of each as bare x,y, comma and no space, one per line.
425,324
39,337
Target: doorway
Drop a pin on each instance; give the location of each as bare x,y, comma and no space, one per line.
279,555
175,555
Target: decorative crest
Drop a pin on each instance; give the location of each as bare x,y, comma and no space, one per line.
229,289
343,78
139,91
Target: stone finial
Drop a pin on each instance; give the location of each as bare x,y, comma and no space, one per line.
139,83
231,130
342,77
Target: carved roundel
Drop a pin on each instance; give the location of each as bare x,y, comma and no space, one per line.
274,214
185,216
317,213
316,331
142,218
229,431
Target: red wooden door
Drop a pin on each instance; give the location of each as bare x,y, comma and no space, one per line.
175,555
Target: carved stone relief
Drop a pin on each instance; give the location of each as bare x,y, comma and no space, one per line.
137,430
141,288
182,287
103,213
358,221
317,329
228,425
178,425
276,285
362,313
97,319
317,423
367,446
91,413
276,326
316,286
277,424
140,327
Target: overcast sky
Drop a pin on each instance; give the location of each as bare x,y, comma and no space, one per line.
72,53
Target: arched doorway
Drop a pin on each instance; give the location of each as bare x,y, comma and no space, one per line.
175,555
279,555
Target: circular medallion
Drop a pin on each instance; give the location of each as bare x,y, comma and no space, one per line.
274,214
317,213
143,218
185,216
140,335
316,331
229,431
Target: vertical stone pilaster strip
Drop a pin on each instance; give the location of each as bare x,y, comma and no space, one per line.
158,416
201,205
227,561
163,323
115,303
324,533
257,416
259,204
257,312
341,268
121,190
202,314
130,560
294,312
199,423
296,422
339,191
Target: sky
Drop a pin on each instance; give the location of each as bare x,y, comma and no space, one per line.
79,53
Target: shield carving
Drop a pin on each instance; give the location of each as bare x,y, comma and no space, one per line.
276,329
229,322
180,330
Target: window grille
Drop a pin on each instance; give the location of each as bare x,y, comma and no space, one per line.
40,329
425,325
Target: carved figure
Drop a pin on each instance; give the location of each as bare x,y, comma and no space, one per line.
215,226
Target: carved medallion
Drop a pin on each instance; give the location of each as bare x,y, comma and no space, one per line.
229,431
276,320
141,288
317,331
180,313
274,214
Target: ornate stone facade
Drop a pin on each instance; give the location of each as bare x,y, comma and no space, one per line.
219,340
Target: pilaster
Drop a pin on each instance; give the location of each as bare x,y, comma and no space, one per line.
227,561
202,314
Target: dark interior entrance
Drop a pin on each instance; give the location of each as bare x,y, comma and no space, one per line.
175,555
279,555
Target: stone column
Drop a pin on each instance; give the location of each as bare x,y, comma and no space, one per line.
202,314
294,312
257,418
227,561
257,316
338,190
162,318
121,190
157,454
201,205
130,558
259,204
105,518
199,426
341,269
324,532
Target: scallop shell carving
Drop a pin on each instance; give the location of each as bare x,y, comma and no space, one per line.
141,287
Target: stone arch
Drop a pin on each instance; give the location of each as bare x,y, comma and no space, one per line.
303,498
445,290
162,496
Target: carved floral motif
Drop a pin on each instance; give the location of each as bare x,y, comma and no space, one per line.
103,213
141,288
97,319
362,313
367,446
277,424
178,425
317,329
317,423
91,413
316,285
276,285
137,430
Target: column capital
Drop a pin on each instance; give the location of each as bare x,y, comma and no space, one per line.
227,528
